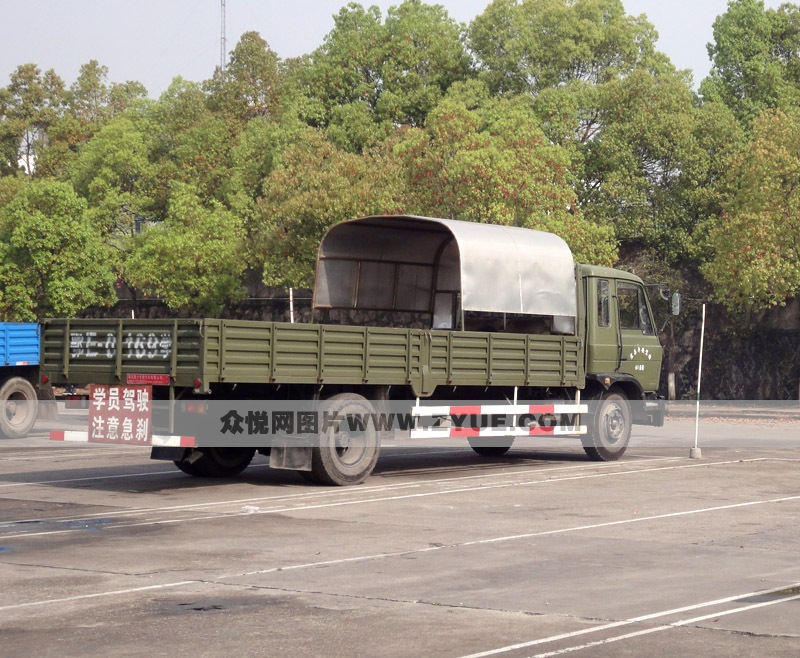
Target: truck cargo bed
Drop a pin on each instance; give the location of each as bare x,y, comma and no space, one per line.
19,344
83,351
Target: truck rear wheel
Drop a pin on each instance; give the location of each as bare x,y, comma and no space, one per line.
609,428
349,447
495,447
218,462
18,407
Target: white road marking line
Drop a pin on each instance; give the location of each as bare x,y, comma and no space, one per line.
86,479
677,624
97,595
284,509
642,519
428,549
481,487
643,618
88,452
328,492
362,488
527,535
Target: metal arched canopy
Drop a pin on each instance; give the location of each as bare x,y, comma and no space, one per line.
373,262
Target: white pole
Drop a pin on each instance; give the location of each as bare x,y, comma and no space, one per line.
291,305
695,452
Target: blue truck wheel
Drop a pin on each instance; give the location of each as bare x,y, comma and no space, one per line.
18,408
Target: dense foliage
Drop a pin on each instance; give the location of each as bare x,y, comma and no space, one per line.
553,114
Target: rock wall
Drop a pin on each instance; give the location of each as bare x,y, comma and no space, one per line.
753,357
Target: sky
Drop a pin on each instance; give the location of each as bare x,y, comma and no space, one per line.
153,41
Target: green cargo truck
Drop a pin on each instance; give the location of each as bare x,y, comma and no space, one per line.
449,319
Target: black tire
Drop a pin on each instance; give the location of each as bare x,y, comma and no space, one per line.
345,455
218,462
609,428
18,408
309,477
494,447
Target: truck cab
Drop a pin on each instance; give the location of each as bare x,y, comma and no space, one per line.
622,346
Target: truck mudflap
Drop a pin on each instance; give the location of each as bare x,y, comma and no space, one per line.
497,420
155,441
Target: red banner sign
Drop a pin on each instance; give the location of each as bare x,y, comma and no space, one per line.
120,414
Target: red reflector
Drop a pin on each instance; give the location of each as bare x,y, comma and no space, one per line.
197,383
45,379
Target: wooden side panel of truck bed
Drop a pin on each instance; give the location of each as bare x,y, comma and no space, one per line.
248,352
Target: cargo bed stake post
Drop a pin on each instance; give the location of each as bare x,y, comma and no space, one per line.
65,351
171,409
514,415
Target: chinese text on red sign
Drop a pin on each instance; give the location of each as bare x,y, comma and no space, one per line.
120,414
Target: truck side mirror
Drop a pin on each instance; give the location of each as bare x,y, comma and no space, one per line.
675,305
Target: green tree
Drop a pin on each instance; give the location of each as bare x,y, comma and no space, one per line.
251,84
369,76
52,260
528,46
755,64
30,105
201,156
346,69
423,55
494,164
88,97
113,172
653,168
181,106
194,259
756,241
10,135
9,187
256,151
627,120
315,186
89,104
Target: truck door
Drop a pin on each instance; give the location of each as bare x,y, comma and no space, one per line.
601,331
641,351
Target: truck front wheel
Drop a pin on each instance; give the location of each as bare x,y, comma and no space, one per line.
609,428
218,462
18,407
349,445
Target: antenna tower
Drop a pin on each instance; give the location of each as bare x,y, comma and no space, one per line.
223,42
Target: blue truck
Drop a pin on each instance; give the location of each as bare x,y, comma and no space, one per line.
19,370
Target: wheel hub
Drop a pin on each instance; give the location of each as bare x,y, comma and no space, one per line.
615,424
342,441
11,408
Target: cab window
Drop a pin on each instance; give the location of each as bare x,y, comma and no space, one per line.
603,314
633,311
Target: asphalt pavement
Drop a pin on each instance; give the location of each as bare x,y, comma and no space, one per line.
440,553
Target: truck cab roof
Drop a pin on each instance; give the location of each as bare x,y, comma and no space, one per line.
607,273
